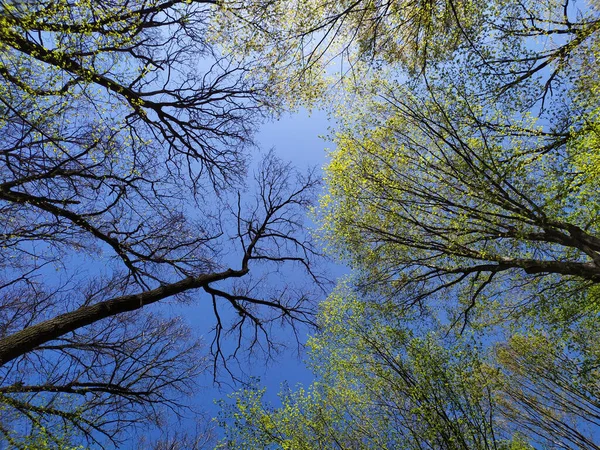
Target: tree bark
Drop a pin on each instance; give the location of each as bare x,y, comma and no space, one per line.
26,340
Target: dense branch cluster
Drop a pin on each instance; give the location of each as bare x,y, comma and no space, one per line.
475,178
125,136
462,191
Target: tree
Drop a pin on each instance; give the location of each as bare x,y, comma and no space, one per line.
298,39
551,391
200,437
126,137
382,382
463,191
455,186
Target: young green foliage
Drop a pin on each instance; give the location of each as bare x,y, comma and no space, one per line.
386,380
458,187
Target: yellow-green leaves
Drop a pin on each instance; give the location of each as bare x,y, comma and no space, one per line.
432,182
379,384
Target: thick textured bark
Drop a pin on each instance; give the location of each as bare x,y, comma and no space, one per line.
586,270
26,340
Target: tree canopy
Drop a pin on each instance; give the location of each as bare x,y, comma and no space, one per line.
386,380
127,136
463,192
459,184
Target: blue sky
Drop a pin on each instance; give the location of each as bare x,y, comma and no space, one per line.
296,138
